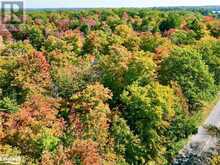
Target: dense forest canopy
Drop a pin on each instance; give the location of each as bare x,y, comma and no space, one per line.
105,86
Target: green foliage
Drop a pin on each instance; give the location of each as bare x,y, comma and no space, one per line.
182,126
36,37
69,73
121,68
209,50
17,49
8,105
126,143
96,42
132,43
183,37
197,27
214,28
47,142
186,66
8,89
150,42
141,69
113,21
148,111
6,68
53,43
113,68
172,21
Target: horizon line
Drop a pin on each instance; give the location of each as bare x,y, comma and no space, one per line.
104,7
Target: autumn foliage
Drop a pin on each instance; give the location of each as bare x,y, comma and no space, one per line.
105,87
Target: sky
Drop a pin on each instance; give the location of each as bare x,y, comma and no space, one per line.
114,3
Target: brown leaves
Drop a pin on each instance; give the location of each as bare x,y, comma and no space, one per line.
36,118
2,134
32,72
36,112
88,152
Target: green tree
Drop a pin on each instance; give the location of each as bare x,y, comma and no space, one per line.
96,42
183,37
209,49
149,110
197,27
127,145
53,43
90,118
186,67
36,37
140,69
69,74
172,21
8,105
17,49
113,68
214,28
150,42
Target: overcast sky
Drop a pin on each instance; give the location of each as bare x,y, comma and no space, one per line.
114,3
